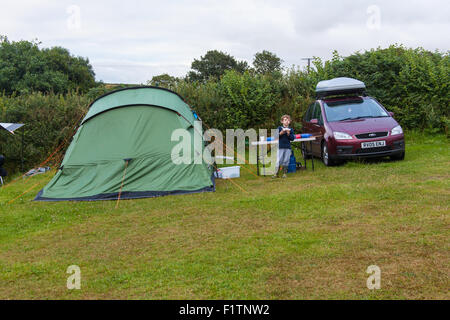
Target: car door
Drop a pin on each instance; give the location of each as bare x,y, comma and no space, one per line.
317,128
306,125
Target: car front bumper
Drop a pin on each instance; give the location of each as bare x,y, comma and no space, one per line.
350,151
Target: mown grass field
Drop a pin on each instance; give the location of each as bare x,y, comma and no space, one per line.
311,236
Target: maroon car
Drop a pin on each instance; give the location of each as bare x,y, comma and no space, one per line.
348,124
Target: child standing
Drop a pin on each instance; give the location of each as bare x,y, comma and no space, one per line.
286,135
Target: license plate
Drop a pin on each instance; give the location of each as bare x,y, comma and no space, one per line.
373,144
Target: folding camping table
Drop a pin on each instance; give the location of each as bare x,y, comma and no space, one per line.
302,144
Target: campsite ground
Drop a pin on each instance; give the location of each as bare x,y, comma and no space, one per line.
311,236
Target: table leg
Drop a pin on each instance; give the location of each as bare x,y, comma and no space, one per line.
312,156
304,151
257,161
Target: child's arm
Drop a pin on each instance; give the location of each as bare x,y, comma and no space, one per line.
291,134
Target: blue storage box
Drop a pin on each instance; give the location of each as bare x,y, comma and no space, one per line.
292,164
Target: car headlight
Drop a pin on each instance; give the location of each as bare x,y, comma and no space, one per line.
342,136
396,130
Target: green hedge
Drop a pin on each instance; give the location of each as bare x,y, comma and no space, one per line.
413,83
49,120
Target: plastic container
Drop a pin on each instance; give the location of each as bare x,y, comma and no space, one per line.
228,172
302,135
292,164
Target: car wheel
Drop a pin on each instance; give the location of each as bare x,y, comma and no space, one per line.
326,156
398,157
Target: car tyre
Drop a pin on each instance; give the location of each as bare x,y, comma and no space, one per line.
398,157
327,161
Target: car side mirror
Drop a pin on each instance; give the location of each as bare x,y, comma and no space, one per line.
391,114
314,121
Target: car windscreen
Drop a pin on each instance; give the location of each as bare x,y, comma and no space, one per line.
357,108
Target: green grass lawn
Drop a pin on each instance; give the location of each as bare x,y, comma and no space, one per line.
310,236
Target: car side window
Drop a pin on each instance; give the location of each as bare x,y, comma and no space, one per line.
309,112
319,113
316,111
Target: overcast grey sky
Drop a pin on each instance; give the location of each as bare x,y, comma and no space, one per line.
131,41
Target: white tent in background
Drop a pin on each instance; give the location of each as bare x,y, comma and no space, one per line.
11,127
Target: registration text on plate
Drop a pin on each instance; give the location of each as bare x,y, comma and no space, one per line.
373,144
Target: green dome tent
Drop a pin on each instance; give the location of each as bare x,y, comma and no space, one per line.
123,145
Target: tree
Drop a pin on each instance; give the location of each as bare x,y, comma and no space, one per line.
249,100
26,68
267,62
163,80
214,64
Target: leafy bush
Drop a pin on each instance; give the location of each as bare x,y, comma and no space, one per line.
49,120
413,83
249,100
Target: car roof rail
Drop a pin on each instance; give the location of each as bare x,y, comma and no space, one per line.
342,94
